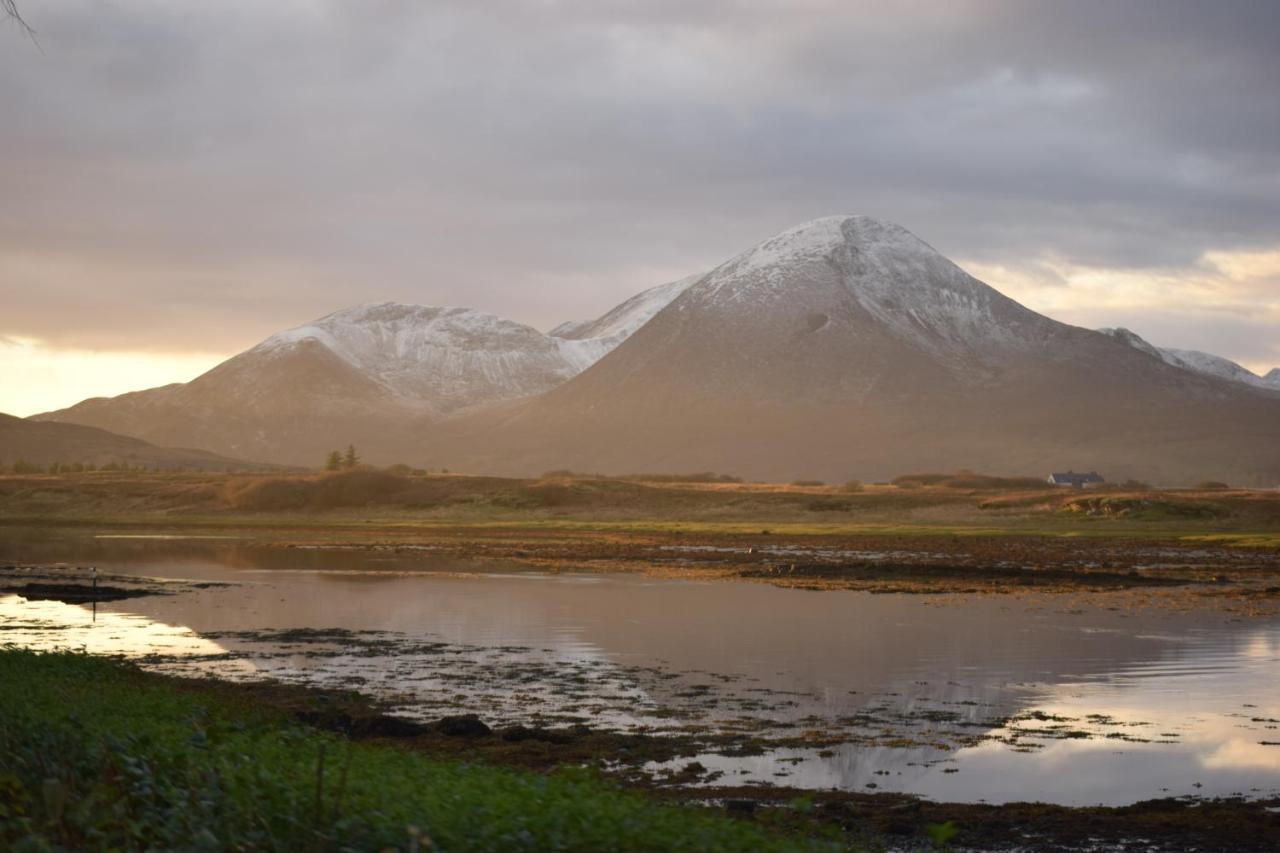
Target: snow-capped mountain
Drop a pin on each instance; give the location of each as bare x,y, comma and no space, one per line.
373,374
436,360
1199,362
848,347
844,347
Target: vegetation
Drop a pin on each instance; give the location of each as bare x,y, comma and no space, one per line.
697,477
99,755
337,460
343,488
389,503
967,480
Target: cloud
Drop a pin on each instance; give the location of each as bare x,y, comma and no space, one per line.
214,172
39,378
1227,302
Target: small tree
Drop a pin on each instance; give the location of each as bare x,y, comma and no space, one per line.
334,462
350,460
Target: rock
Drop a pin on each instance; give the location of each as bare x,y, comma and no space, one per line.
517,734
463,725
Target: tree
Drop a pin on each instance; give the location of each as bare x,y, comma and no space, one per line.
334,462
350,460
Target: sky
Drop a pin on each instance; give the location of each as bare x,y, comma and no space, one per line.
182,179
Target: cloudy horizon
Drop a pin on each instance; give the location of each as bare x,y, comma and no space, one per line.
183,180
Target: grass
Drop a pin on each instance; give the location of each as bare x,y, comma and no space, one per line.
97,755
367,503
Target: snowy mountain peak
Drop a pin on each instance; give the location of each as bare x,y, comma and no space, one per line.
900,280
380,330
1195,361
440,358
819,238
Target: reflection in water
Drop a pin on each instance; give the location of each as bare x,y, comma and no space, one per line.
71,627
986,699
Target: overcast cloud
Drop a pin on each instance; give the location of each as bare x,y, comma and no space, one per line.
190,177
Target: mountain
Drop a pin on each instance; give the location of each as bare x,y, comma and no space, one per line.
40,443
375,375
1199,362
844,347
848,347
372,375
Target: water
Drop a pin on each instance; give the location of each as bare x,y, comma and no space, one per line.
987,698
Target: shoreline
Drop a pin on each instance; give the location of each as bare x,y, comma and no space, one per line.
855,819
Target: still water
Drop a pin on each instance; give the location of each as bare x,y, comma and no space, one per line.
983,698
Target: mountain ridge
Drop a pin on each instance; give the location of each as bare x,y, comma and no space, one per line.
842,326
1197,361
847,347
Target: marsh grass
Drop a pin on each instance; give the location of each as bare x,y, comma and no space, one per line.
95,755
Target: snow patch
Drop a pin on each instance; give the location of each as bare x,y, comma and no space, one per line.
898,278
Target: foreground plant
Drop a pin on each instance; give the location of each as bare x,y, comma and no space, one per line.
95,754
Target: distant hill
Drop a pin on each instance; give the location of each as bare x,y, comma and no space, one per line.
41,443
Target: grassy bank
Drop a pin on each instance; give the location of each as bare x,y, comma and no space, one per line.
95,754
365,502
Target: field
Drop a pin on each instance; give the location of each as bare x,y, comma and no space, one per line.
565,501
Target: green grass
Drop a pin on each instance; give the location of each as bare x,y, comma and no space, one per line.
97,755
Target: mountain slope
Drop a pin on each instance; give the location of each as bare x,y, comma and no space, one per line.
598,337
435,359
377,375
1198,362
847,347
372,375
44,443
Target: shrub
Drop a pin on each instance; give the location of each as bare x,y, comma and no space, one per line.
967,480
1135,486
357,488
852,486
829,505
1211,486
270,493
696,477
914,481
807,483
